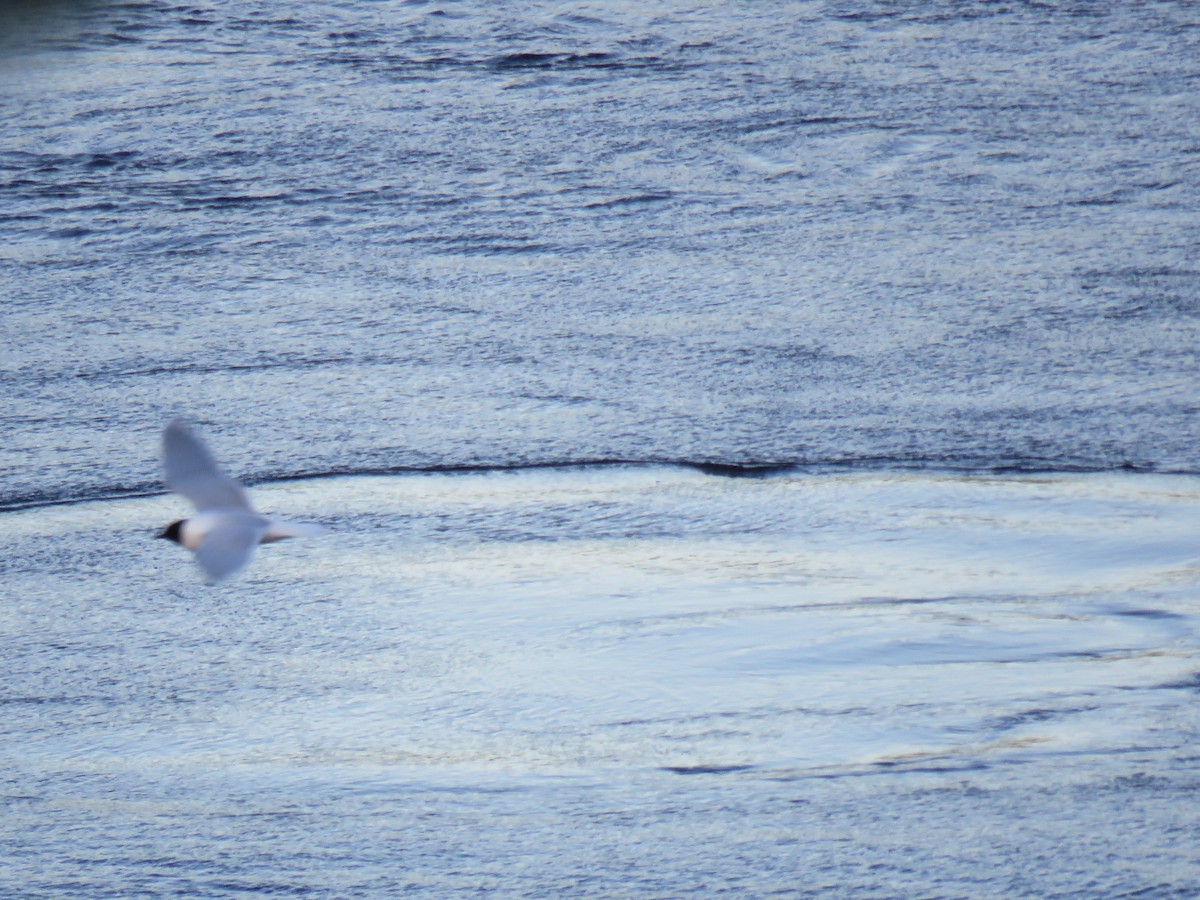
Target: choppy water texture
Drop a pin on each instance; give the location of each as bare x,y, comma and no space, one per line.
928,270
368,235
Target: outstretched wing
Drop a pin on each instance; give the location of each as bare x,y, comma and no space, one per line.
192,471
228,548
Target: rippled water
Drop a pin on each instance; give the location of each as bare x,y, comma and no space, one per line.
365,235
508,298
615,680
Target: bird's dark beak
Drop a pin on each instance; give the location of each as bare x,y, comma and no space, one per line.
161,534
172,532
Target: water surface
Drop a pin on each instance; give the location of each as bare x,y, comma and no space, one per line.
508,298
615,680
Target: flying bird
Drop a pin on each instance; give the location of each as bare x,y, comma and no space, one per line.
226,530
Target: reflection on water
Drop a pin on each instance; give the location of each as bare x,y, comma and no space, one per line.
500,665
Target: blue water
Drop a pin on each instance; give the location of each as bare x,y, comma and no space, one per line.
503,296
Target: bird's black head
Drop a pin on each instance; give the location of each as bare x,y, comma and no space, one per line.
171,532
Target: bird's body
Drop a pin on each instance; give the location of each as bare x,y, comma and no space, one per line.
193,531
226,530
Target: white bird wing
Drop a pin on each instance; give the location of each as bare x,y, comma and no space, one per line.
192,471
229,547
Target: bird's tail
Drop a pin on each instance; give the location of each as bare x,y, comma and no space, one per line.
278,531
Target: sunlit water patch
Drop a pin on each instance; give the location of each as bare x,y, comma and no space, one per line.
480,659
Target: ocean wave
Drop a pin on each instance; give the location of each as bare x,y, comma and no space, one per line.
751,469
